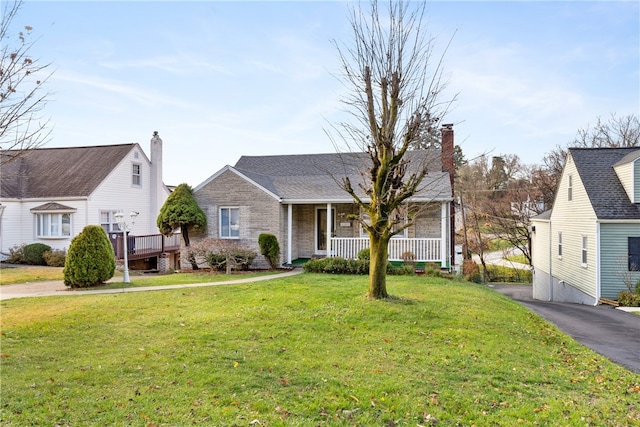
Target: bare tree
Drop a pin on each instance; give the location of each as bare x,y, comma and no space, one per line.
395,87
22,98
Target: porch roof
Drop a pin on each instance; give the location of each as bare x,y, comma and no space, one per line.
315,178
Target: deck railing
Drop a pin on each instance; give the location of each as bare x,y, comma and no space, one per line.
146,246
424,250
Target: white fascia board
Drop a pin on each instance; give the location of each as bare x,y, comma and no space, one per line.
618,221
316,201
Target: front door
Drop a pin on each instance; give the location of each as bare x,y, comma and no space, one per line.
321,229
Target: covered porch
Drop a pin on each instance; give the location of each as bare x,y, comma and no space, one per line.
306,233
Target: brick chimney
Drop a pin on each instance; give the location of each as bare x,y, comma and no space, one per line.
448,165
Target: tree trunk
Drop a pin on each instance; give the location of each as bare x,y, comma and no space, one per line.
378,249
190,257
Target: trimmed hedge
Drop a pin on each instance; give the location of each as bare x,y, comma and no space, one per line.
241,259
33,254
270,248
338,265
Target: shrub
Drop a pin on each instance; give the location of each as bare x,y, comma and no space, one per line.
241,259
270,248
629,299
33,253
364,254
432,269
55,257
338,265
90,260
471,271
16,255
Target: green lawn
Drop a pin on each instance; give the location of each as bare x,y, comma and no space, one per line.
307,350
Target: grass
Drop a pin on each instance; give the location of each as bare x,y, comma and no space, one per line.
15,275
518,258
307,350
19,275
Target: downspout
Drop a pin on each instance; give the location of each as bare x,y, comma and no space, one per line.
289,231
550,261
598,281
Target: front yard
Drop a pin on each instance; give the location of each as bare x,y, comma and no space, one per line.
307,350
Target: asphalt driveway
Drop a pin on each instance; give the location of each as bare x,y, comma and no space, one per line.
613,333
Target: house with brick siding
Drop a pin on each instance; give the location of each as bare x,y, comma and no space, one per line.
588,246
298,199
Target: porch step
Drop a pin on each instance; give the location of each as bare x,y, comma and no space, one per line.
609,302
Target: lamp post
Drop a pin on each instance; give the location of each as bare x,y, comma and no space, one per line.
124,227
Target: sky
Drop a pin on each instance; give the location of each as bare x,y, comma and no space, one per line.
219,80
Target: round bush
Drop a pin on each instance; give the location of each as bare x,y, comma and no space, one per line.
90,260
33,254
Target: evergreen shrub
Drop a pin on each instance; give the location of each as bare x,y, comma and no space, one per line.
90,260
270,248
33,253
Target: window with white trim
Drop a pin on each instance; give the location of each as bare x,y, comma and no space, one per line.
53,225
584,250
570,189
229,223
398,214
560,244
634,253
108,221
136,174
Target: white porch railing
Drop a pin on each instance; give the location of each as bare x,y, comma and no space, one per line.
424,250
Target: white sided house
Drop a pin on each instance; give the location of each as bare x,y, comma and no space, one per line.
48,195
588,246
298,199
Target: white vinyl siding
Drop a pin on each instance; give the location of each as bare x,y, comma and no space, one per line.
629,176
576,219
614,257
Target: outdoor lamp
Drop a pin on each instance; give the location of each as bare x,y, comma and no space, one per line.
125,228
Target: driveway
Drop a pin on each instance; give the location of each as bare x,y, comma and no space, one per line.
613,333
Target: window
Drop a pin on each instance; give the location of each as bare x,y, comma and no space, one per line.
108,221
53,225
398,214
560,245
229,223
570,189
584,250
634,253
136,175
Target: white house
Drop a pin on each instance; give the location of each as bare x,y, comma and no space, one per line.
49,195
588,246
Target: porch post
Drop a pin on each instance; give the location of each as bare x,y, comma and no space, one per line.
289,231
443,235
329,222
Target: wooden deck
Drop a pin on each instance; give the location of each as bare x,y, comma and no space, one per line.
140,247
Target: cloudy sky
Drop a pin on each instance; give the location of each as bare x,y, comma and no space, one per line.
219,80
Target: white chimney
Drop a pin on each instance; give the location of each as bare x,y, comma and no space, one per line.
157,186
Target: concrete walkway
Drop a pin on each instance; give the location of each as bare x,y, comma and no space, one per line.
42,289
613,333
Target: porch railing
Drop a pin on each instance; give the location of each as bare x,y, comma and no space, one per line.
146,246
424,250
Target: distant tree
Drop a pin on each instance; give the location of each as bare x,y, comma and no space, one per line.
616,132
22,78
90,260
395,101
181,210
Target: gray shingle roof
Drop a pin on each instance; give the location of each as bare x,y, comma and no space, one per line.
306,177
606,193
59,172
